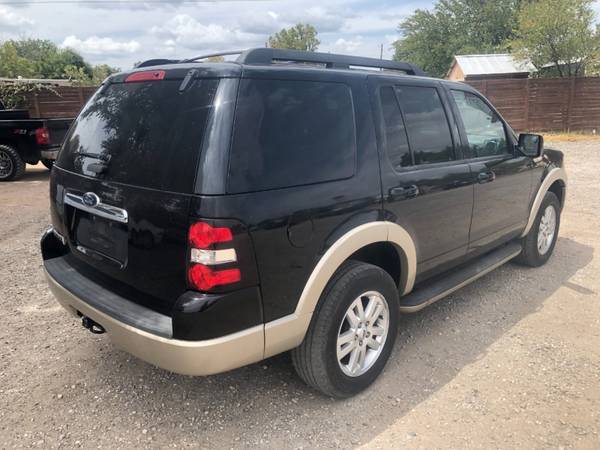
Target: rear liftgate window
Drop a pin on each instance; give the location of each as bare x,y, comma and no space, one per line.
291,133
145,133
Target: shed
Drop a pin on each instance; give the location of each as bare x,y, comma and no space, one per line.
479,67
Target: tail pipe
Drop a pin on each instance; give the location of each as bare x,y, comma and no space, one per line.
91,325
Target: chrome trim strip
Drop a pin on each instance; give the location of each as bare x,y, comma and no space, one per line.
101,209
435,298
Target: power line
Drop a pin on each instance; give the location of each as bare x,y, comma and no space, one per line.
87,2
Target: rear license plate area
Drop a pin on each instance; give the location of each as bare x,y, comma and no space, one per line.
100,238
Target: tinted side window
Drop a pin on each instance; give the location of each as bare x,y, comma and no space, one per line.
290,133
484,129
426,123
396,143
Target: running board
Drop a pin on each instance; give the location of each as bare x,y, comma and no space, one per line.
445,284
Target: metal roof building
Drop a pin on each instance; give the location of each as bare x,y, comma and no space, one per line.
477,67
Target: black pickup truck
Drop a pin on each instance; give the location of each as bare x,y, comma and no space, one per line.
24,140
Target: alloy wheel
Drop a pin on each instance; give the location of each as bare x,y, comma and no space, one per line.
6,165
546,230
362,333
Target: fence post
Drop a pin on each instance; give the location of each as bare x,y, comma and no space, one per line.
80,91
526,107
36,105
570,101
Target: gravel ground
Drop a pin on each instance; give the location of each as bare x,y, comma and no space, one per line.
511,361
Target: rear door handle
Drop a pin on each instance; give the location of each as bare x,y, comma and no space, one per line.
410,191
486,177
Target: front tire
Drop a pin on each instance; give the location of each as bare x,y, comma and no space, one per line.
12,167
352,332
539,243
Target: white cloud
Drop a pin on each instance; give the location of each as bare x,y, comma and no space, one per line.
186,31
135,31
323,20
259,22
95,45
348,45
11,19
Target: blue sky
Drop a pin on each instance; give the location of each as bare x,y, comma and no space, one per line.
120,33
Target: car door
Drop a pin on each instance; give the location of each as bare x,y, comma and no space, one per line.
427,186
503,174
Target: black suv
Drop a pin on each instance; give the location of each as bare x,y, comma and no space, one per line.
210,215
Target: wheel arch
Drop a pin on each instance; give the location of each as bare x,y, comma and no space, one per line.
556,182
288,332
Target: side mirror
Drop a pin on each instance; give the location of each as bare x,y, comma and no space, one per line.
531,144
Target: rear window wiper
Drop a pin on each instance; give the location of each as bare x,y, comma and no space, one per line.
104,158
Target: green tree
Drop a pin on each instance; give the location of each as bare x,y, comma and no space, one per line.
298,37
12,65
558,32
49,61
430,39
101,72
40,58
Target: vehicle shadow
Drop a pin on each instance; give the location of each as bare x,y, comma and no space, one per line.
267,403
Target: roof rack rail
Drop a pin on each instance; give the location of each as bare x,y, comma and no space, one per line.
211,55
332,61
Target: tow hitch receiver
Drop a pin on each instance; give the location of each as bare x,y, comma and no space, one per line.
94,327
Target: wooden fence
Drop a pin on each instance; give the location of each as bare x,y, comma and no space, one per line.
67,102
537,104
545,104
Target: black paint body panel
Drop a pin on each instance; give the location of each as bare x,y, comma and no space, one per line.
283,232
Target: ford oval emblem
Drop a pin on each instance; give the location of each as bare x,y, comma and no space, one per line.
90,199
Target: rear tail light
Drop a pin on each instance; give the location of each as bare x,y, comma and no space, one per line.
147,75
202,235
204,278
42,136
203,271
213,257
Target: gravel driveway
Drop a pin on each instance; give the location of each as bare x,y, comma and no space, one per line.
511,361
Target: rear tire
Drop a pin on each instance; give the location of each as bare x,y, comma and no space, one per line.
49,163
539,243
337,328
12,167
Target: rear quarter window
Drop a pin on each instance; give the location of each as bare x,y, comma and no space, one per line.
291,133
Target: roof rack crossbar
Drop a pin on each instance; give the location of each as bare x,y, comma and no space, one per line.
270,55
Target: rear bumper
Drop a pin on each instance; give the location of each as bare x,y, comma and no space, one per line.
204,357
51,153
